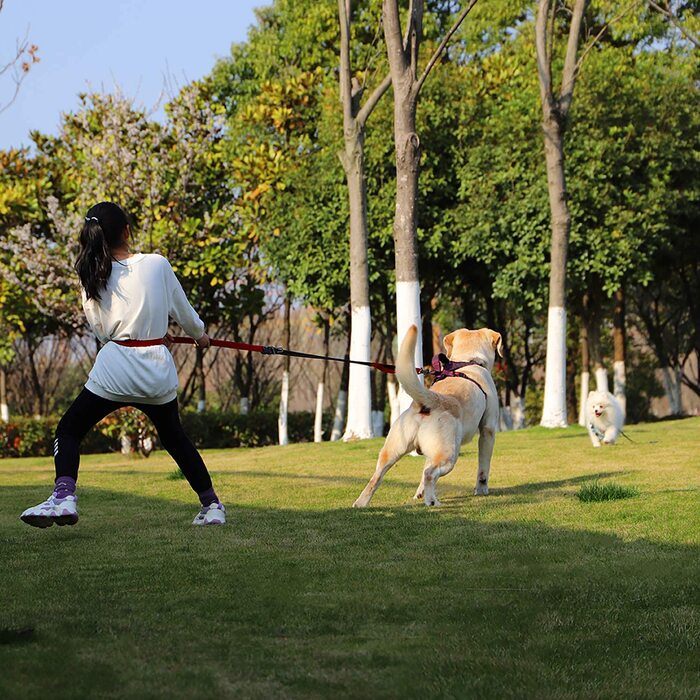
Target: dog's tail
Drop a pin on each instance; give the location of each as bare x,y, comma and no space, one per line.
406,372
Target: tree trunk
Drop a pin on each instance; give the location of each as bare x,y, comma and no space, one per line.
619,356
284,394
4,408
554,113
320,389
202,391
359,423
403,62
585,369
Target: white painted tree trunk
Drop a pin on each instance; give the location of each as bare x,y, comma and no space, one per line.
407,314
284,403
318,420
672,388
517,407
585,381
244,406
601,379
341,408
392,390
620,385
201,406
554,409
505,422
377,423
359,425
4,408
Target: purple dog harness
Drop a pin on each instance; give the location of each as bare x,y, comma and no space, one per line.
444,368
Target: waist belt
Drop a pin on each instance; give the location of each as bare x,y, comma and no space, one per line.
140,343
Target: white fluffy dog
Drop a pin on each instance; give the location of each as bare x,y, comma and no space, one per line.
604,418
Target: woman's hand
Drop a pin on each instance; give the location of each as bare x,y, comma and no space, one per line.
203,342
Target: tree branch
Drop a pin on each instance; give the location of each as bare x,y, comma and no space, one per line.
592,43
440,49
666,12
570,66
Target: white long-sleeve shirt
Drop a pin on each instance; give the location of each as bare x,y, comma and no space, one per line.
142,293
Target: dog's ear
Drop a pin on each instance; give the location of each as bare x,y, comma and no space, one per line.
447,342
497,342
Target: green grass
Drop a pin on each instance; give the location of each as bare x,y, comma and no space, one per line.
595,491
528,593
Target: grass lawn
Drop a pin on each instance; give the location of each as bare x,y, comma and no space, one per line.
527,593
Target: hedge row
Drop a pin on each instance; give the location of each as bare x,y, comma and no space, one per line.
33,437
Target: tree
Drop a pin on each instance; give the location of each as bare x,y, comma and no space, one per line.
355,115
403,54
555,109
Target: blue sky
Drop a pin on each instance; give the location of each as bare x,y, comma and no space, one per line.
136,45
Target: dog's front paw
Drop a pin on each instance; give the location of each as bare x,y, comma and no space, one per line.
360,503
432,501
418,494
481,490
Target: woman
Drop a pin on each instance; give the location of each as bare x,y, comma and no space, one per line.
128,299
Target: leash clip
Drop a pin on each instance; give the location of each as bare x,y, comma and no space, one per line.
272,350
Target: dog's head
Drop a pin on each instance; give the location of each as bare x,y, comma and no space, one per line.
598,403
464,345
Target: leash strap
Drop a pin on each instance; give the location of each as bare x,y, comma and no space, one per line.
264,349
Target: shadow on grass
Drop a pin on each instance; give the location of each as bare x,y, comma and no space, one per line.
341,603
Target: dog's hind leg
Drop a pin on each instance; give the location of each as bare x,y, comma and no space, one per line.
399,442
487,439
439,467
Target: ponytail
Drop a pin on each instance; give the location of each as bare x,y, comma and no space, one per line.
102,231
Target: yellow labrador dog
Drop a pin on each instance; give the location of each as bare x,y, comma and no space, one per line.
447,415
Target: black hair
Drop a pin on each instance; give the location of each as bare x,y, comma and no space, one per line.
103,229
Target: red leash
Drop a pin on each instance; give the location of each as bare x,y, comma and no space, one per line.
264,349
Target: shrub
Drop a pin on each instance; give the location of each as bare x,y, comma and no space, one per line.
33,437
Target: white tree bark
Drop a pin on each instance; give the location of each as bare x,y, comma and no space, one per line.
359,425
505,421
4,408
585,381
318,420
284,403
554,409
601,379
620,385
673,390
408,314
517,407
341,408
377,423
244,406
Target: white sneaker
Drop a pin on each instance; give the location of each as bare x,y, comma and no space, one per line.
214,514
62,511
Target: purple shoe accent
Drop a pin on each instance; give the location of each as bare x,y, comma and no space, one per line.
64,486
206,498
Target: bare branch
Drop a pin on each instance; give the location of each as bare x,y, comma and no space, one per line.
594,41
372,100
440,49
666,12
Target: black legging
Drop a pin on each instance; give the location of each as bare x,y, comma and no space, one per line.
89,409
